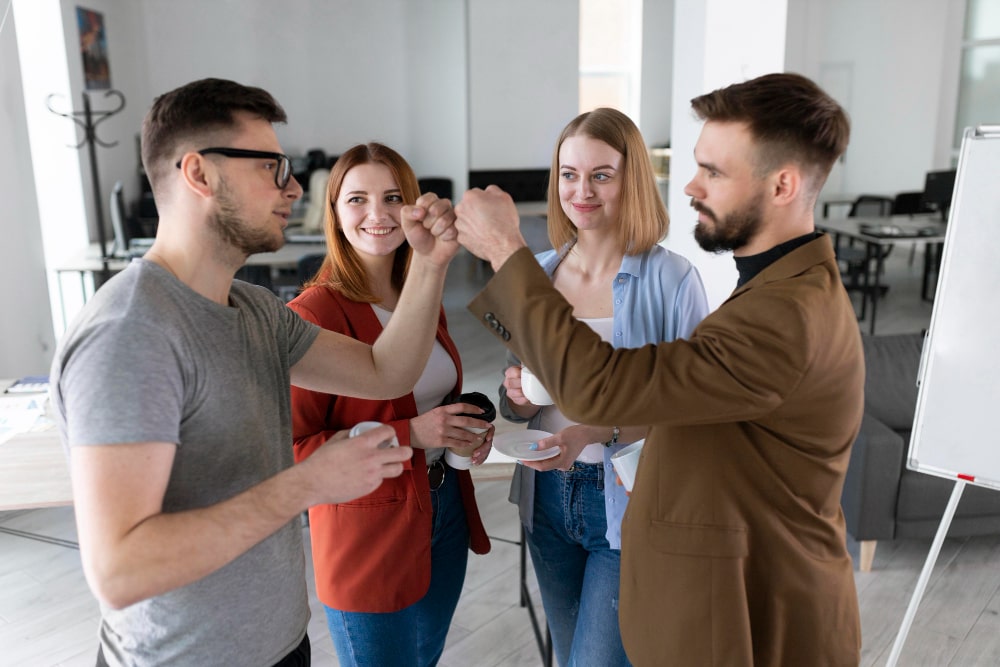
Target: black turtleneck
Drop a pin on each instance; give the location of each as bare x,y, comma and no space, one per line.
751,265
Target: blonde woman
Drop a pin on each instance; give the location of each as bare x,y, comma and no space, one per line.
605,221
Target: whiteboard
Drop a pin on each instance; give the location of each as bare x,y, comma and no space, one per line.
956,426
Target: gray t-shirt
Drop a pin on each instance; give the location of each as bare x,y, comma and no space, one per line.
149,359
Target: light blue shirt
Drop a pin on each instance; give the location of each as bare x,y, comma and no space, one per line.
658,296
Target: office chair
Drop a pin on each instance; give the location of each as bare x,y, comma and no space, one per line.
317,159
852,258
871,206
308,266
911,203
257,275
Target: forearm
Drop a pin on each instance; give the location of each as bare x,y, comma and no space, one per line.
523,411
169,550
401,351
501,252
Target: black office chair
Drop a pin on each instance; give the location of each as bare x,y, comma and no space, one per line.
911,203
852,259
871,206
308,266
258,275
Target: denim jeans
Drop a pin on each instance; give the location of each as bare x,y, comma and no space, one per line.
414,636
577,570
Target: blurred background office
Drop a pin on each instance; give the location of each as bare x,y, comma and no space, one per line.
458,86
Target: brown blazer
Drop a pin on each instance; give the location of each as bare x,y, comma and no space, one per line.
733,544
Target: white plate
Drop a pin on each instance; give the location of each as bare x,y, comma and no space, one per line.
516,445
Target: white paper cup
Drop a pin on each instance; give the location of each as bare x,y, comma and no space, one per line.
626,462
457,461
532,388
361,427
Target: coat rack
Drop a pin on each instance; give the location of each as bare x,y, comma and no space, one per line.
90,120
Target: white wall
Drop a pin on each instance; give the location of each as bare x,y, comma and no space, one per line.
26,335
437,90
523,80
717,42
338,68
398,71
657,71
887,62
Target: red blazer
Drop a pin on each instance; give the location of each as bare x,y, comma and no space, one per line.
372,554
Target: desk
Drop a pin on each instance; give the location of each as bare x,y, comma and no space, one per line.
907,230
286,257
34,471
89,261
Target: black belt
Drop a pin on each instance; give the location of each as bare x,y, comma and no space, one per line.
435,474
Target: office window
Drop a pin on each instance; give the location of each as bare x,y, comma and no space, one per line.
979,82
610,55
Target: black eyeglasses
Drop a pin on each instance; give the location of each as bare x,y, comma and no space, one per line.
282,172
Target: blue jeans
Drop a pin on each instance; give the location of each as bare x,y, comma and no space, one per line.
413,636
577,570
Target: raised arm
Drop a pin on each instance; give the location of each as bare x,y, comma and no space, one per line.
132,550
336,364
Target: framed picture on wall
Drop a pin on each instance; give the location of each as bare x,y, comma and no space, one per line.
93,49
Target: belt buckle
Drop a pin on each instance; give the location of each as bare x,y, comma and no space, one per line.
435,475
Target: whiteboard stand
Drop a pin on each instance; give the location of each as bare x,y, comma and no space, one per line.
925,574
956,403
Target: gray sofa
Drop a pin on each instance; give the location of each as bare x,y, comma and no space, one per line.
882,499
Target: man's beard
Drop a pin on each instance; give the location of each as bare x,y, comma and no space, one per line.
233,231
732,232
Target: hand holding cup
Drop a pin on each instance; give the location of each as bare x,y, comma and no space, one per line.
533,389
460,458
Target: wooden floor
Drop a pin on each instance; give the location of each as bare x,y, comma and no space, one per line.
48,617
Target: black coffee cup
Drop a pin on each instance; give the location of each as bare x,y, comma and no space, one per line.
480,401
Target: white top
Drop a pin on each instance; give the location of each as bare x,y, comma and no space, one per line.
435,383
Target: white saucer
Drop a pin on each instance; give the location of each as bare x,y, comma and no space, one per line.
516,445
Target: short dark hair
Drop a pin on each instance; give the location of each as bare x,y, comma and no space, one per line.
643,220
790,119
192,113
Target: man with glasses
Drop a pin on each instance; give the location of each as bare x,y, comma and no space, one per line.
171,390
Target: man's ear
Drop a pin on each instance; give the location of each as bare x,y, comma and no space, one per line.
194,171
786,185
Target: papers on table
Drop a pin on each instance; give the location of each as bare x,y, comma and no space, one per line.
21,413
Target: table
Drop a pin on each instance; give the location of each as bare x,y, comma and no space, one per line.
34,470
88,260
876,233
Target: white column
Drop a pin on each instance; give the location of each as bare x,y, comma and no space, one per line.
56,166
716,43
